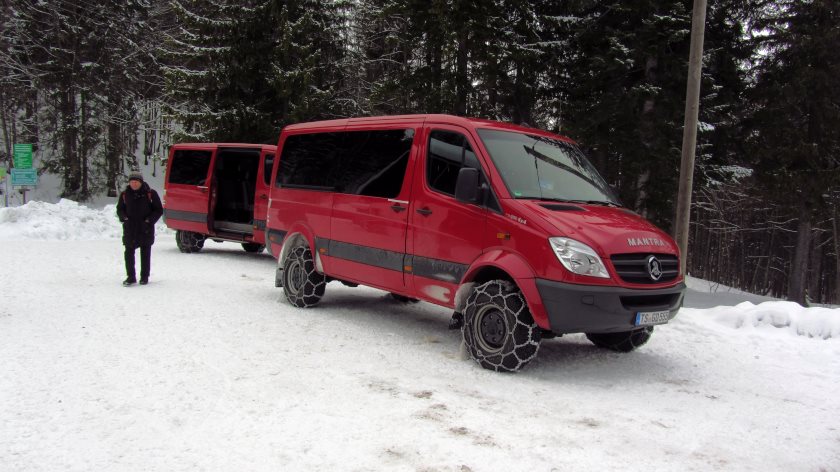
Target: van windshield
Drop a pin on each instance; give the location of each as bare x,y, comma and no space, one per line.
542,168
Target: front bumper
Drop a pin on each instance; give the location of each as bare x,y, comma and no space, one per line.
589,309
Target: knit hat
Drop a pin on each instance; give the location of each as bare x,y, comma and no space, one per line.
135,175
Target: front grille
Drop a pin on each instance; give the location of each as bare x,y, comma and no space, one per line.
632,268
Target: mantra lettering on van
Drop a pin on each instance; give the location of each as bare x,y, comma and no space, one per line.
632,242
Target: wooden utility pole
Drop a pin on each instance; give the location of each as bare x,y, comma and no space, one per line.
689,144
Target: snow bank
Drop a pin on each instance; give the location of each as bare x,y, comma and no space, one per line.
65,220
790,317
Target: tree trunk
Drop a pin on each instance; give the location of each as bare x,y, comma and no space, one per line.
112,155
69,161
799,267
462,79
7,134
835,225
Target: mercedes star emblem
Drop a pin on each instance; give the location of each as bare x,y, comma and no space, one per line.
654,268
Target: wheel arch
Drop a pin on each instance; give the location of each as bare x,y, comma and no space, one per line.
501,265
299,235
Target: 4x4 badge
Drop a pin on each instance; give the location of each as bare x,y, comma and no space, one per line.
654,268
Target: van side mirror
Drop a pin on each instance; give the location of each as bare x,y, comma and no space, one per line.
466,188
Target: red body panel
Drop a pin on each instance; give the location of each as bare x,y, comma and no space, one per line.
193,199
438,231
446,230
261,194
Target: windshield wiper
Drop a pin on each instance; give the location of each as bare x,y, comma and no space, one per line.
567,200
596,202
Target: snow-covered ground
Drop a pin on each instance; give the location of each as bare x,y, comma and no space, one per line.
208,368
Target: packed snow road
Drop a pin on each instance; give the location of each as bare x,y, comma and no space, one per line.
209,368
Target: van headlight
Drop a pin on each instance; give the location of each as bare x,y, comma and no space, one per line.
578,258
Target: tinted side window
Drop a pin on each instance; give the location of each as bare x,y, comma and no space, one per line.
373,163
189,167
309,161
268,166
448,152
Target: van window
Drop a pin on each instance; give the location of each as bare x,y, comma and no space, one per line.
448,153
268,166
370,163
189,167
309,161
373,163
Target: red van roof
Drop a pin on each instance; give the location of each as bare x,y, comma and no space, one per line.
470,123
266,147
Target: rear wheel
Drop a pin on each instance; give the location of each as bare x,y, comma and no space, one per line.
253,247
302,284
624,341
498,330
188,241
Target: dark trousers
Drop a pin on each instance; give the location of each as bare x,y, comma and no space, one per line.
145,261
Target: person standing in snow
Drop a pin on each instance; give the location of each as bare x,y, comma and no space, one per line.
138,208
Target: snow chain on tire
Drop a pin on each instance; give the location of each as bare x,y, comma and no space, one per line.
499,331
624,341
302,284
188,241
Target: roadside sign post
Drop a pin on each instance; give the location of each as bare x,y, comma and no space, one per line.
23,156
23,175
23,178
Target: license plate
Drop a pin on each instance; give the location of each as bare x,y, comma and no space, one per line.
644,318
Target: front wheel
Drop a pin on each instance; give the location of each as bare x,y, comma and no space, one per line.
188,241
253,247
302,284
499,331
624,341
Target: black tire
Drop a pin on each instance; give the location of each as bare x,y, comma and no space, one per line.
302,284
253,247
403,298
624,341
189,242
498,330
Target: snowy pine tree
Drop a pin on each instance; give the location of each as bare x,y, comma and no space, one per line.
795,122
238,71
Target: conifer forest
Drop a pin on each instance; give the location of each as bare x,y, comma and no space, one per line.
100,86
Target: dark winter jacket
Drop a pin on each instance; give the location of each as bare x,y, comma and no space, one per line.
139,211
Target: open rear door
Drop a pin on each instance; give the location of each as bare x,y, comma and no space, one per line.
188,189
262,191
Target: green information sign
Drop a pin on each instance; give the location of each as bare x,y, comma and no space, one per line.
23,156
24,177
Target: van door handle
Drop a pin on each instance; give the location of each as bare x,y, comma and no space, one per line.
425,211
397,208
263,197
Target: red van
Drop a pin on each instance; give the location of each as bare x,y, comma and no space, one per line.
511,227
218,191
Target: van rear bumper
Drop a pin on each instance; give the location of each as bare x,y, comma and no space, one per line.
588,309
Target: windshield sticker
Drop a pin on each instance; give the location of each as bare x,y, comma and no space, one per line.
517,219
517,194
